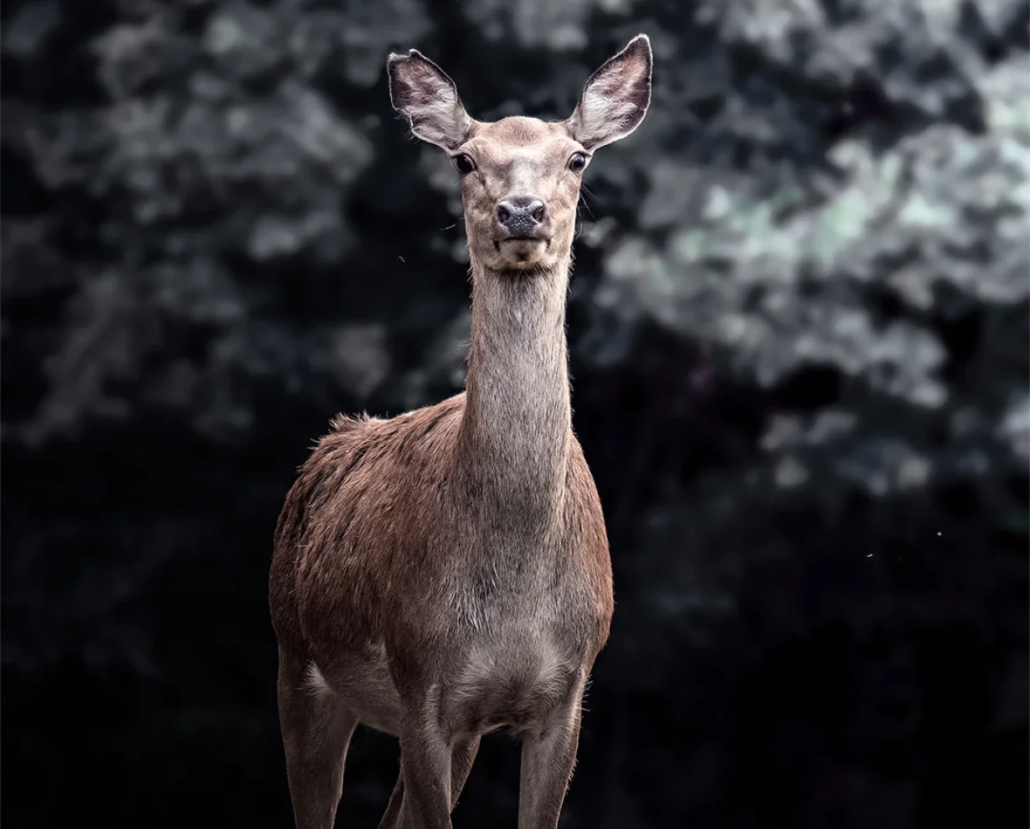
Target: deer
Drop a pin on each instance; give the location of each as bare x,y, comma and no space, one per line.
445,573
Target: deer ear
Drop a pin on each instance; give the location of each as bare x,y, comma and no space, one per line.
615,97
423,93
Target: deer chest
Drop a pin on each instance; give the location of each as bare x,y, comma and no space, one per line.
510,679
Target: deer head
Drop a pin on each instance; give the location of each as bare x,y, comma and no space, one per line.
521,177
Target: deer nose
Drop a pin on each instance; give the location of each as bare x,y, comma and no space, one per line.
520,216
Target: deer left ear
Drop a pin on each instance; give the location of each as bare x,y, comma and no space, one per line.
615,98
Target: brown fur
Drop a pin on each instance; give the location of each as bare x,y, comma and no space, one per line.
445,573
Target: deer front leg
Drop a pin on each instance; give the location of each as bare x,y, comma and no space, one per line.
548,757
316,731
392,816
462,757
425,772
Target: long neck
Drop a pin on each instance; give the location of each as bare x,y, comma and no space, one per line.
517,424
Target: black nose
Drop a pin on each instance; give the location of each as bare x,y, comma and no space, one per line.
521,215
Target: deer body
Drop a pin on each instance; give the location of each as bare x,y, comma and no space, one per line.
445,573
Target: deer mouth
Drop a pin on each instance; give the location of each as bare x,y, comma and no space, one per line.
523,240
519,244
522,249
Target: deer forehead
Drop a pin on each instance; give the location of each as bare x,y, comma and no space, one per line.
523,141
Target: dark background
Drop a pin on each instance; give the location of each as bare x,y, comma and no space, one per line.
799,331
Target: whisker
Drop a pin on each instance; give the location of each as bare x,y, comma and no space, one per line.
583,203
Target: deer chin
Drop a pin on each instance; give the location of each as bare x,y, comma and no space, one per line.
523,254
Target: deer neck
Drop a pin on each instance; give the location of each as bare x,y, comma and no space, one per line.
518,419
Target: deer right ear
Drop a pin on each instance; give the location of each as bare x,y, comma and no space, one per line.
615,98
423,93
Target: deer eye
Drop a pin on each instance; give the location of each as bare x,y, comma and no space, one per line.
464,163
578,162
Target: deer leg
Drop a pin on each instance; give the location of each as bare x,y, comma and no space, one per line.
547,761
425,771
392,817
462,757
316,732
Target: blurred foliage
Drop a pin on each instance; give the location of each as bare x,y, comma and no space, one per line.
799,326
